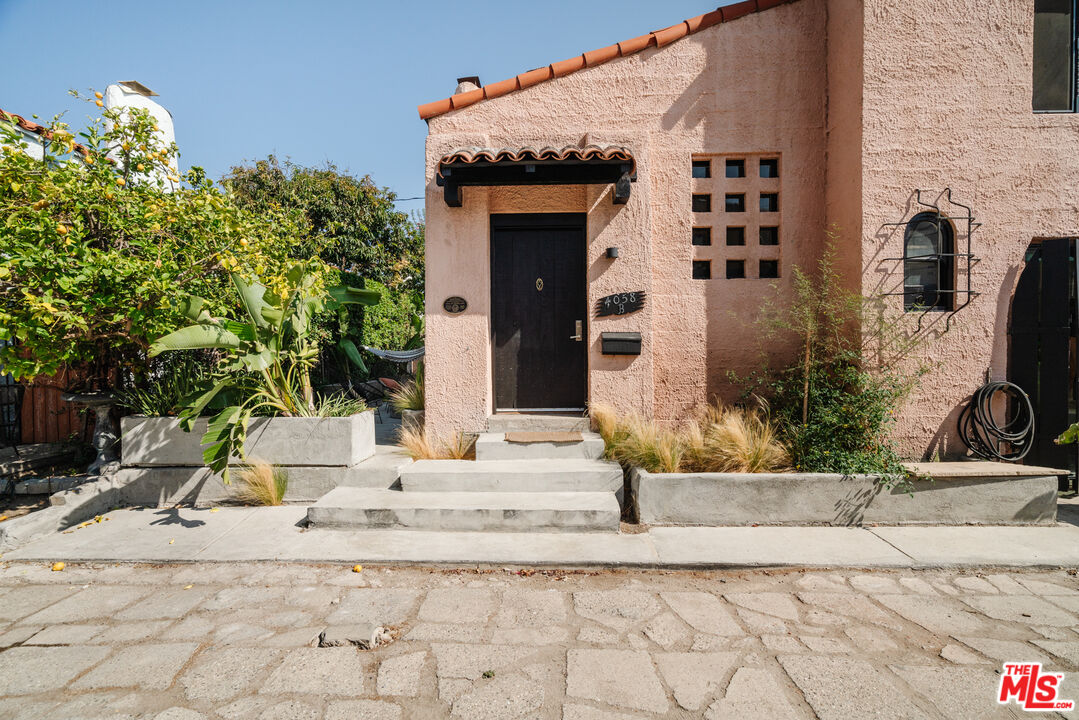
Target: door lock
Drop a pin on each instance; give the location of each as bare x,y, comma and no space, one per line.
579,327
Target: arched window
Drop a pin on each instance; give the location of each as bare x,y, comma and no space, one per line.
929,263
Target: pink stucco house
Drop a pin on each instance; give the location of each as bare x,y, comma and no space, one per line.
606,227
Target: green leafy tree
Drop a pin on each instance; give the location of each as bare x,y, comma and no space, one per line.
349,222
97,250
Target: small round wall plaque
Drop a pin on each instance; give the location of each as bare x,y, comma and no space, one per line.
454,304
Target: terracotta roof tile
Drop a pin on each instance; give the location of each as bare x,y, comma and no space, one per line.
472,155
37,129
659,38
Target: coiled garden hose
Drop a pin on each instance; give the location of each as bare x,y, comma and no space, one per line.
987,438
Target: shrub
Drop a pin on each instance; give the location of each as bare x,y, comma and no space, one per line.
834,409
717,439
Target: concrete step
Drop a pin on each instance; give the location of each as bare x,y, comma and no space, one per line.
493,446
510,422
365,508
534,476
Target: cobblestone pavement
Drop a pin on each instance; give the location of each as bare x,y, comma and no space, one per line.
184,642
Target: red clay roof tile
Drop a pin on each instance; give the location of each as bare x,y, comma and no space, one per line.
37,129
658,38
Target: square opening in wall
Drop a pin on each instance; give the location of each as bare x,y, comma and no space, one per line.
702,236
769,269
736,269
735,202
702,203
770,167
769,235
702,269
736,168
769,202
736,236
702,168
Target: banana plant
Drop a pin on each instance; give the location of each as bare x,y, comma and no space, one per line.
267,361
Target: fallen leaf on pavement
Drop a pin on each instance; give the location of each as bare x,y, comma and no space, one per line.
58,566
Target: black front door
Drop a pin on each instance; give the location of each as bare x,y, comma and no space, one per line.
538,311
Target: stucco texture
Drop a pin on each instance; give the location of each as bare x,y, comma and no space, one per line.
746,88
947,104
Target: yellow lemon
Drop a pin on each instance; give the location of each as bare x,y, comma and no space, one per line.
3,518
58,566
89,160
98,95
243,241
121,182
61,229
99,103
357,568
140,167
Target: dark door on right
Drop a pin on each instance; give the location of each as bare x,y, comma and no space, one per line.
539,311
1042,347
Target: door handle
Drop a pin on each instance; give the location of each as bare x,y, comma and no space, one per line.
579,327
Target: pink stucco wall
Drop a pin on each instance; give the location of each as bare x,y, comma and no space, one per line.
947,103
752,86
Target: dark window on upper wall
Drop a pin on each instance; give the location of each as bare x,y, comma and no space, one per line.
702,270
769,202
736,168
736,269
769,235
769,269
702,236
736,236
928,263
770,168
702,168
1054,55
702,203
735,202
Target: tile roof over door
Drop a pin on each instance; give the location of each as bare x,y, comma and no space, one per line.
659,38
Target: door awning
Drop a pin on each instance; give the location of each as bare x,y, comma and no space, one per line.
572,165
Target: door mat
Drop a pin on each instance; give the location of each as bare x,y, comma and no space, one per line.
543,437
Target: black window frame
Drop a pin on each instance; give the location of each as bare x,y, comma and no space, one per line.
761,233
706,199
732,264
738,163
1073,66
772,197
771,263
704,234
740,197
706,165
944,259
740,236
772,164
705,265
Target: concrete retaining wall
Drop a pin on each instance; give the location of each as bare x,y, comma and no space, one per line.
994,495
332,441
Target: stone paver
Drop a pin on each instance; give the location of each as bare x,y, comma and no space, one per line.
151,666
400,675
497,643
322,671
841,688
703,612
616,677
27,670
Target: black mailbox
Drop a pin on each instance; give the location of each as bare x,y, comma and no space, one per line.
621,343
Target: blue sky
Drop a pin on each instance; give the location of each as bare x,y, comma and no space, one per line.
314,81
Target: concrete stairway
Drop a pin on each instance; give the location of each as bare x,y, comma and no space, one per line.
524,485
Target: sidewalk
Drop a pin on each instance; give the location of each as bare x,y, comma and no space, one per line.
276,534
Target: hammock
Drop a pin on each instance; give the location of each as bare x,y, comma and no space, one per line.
397,356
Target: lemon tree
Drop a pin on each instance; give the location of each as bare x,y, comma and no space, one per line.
98,250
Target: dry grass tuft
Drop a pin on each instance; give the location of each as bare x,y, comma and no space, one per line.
717,439
260,483
413,438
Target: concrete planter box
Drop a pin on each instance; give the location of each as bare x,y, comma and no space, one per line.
334,441
960,493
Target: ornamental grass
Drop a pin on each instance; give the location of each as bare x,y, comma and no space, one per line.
717,438
260,483
419,446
